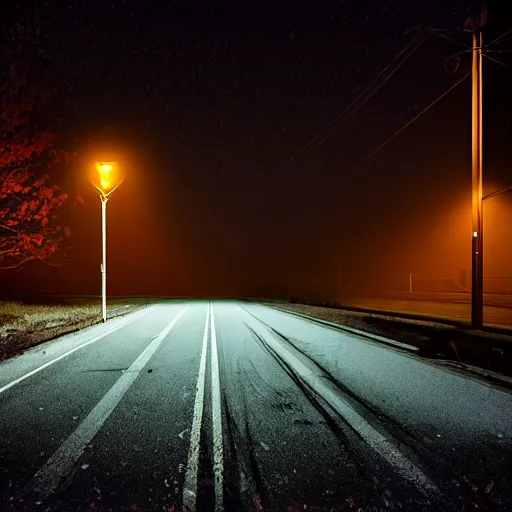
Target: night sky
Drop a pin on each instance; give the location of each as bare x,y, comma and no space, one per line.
214,109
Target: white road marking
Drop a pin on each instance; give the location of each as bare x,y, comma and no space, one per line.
60,464
218,452
313,378
69,352
340,328
190,483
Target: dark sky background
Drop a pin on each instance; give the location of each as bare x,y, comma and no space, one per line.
210,106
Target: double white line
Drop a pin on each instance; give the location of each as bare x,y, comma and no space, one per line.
190,487
49,477
60,464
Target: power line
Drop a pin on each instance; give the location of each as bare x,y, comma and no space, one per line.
444,36
400,130
411,47
378,86
497,192
499,38
372,88
385,74
492,59
414,44
406,125
442,33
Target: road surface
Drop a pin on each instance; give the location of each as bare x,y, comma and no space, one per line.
224,405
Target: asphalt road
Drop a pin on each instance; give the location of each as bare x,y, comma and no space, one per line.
234,406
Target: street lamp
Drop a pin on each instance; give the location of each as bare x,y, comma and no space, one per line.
107,181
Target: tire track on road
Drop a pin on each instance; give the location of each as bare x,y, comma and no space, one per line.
420,448
318,384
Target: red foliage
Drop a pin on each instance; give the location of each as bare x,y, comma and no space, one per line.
28,202
27,228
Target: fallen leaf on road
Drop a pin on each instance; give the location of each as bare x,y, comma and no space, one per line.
256,500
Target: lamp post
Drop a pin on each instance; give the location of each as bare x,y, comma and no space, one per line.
107,183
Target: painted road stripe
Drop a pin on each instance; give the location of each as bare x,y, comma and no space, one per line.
218,453
190,483
61,463
317,382
69,352
344,328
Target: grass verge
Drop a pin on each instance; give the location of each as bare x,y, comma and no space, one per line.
26,324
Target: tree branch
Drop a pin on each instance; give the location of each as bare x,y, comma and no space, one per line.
15,265
8,229
48,263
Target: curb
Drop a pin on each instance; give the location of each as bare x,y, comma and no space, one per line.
491,330
351,330
490,303
451,365
445,320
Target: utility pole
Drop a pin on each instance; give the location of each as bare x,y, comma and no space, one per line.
477,278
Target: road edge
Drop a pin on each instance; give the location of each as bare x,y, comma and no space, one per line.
487,376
